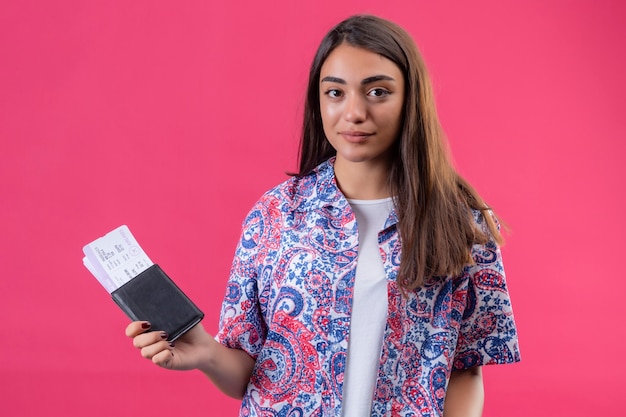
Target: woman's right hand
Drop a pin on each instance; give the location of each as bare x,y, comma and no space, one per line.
185,353
229,369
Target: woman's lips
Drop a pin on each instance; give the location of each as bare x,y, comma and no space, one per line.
355,136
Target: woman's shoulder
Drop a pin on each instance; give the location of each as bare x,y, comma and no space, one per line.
483,218
479,216
304,192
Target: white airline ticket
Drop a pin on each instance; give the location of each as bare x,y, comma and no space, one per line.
116,258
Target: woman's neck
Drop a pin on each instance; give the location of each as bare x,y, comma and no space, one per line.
362,180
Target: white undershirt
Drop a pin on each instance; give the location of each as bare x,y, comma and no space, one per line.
369,310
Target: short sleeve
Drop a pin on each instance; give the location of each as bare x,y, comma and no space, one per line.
241,322
487,334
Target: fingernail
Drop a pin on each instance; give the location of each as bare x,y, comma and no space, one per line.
171,344
163,335
145,325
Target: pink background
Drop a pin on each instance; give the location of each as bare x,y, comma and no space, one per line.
173,117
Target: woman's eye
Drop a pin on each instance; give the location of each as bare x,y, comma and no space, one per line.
334,93
378,92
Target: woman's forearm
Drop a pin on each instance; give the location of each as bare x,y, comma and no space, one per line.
228,369
465,395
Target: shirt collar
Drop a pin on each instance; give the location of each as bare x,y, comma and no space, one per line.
319,190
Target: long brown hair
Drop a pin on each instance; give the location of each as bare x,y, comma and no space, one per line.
432,201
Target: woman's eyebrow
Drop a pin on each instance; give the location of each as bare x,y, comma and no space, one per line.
376,78
365,81
331,79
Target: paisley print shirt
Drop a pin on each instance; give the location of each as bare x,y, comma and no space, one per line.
288,301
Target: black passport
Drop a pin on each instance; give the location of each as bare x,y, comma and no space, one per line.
152,296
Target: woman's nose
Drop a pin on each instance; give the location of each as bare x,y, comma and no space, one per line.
356,109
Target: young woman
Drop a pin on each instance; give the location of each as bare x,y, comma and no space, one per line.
371,282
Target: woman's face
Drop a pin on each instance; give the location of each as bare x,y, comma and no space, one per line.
361,104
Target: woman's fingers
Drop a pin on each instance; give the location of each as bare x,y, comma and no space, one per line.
152,345
136,328
191,348
164,358
154,349
147,339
